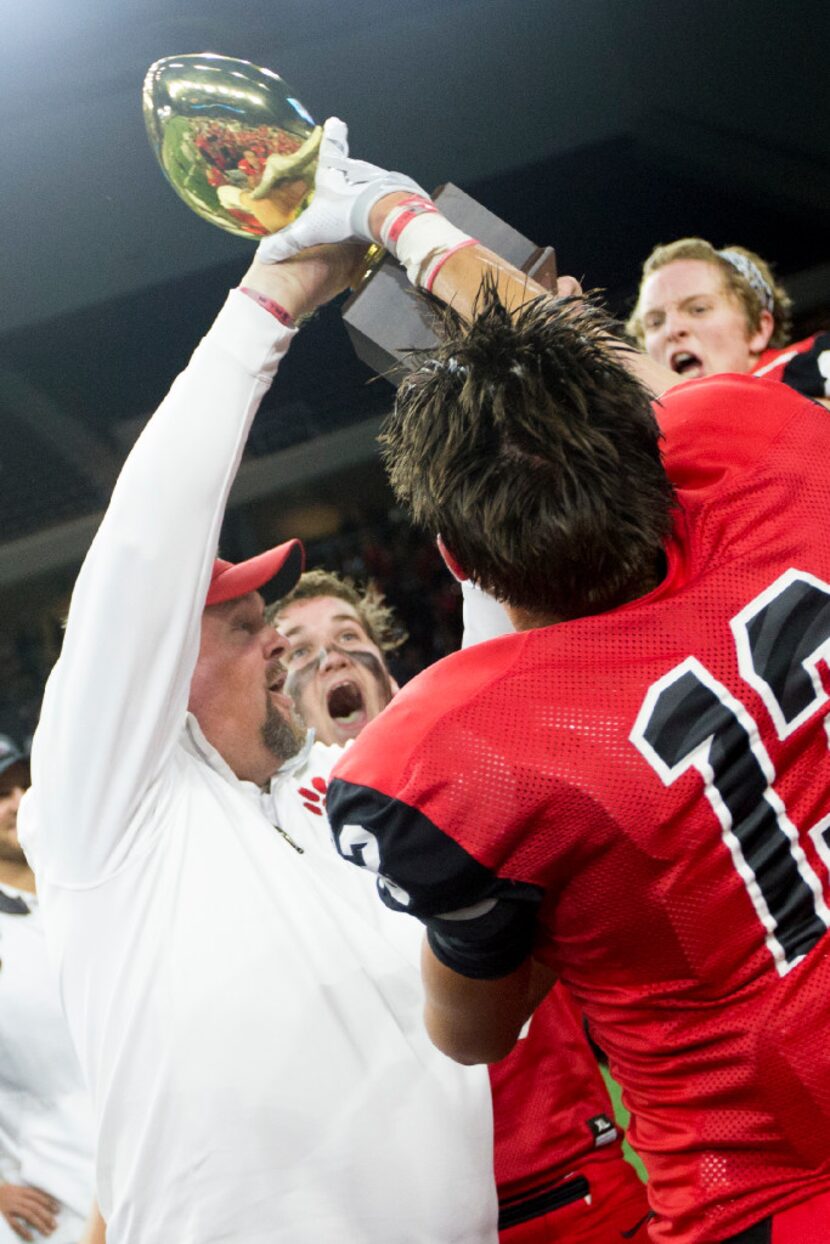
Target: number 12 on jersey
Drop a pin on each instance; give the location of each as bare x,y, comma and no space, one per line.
690,720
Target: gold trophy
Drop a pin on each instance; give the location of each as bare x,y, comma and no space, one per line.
233,141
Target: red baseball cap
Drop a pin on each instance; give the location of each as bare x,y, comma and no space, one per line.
280,567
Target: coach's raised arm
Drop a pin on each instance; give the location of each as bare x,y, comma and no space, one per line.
115,702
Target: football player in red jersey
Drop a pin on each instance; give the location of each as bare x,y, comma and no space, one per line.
560,1170
632,792
701,311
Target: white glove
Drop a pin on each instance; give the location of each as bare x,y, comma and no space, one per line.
345,192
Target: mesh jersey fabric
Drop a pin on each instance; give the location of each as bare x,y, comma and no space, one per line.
803,365
649,783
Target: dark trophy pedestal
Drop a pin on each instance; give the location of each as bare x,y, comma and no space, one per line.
385,318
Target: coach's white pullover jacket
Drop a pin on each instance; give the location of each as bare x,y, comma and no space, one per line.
254,1048
298,795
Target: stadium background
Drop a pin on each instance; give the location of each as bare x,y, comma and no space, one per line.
598,126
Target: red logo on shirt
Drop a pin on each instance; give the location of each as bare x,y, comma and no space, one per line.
315,800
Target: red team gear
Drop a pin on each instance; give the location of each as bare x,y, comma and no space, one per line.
803,365
560,1171
614,1211
641,798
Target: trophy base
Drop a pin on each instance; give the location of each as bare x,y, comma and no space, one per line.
384,317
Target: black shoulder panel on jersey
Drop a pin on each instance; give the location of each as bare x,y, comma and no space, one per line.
480,924
803,372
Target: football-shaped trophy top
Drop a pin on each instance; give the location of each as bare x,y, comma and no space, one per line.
233,141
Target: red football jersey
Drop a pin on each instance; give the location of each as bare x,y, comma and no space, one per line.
560,1170
803,365
644,796
550,1106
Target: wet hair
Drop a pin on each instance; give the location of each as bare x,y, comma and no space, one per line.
752,290
377,618
535,454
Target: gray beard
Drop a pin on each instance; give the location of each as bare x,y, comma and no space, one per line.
11,851
282,738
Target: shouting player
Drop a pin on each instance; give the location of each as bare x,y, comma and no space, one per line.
700,311
337,640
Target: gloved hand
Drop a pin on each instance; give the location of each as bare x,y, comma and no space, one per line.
346,190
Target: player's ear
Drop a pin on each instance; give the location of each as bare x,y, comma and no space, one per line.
567,287
759,340
451,562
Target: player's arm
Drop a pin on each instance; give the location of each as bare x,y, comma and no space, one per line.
479,1021
116,701
354,200
458,279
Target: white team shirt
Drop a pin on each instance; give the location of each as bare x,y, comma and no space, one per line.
46,1124
298,795
258,1063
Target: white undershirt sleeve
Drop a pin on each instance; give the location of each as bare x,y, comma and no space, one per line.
484,617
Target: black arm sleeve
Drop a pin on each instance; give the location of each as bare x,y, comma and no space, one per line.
478,923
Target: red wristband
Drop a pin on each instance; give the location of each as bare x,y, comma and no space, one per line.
401,215
269,305
439,261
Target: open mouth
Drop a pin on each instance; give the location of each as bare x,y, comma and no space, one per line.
345,704
276,690
276,680
686,364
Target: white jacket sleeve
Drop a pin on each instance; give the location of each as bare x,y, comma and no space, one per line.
116,700
484,617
